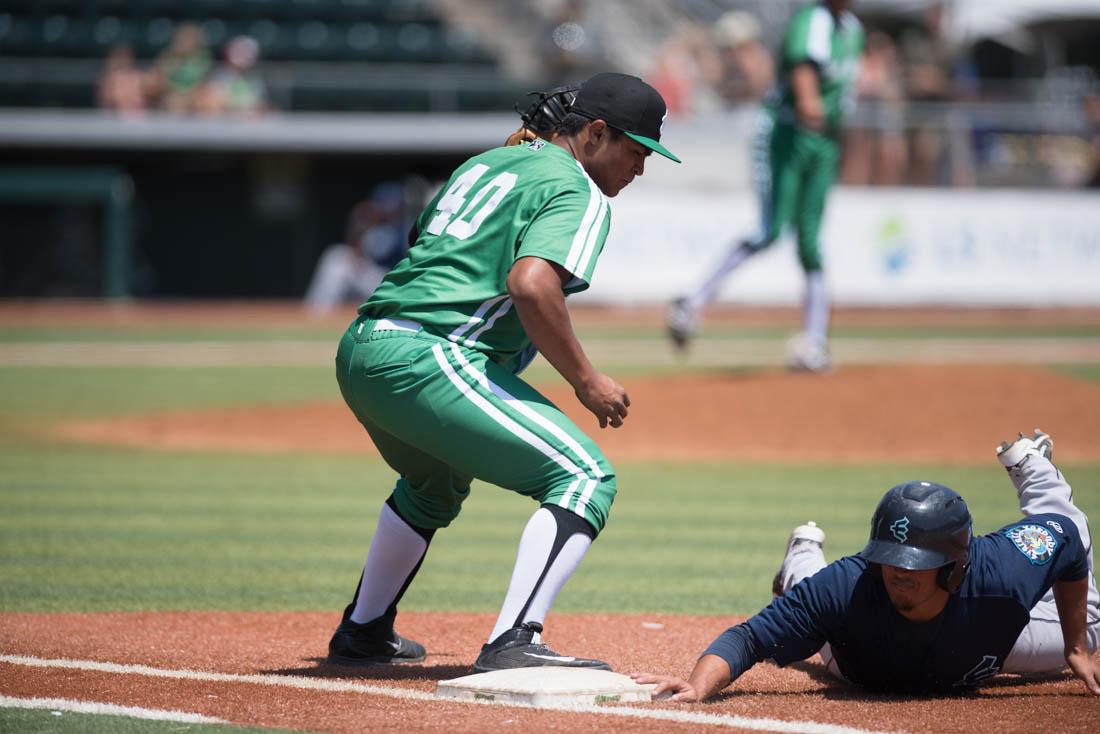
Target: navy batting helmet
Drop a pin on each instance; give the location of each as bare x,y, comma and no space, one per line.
920,526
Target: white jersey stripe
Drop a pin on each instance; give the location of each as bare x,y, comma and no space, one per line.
497,415
590,243
762,174
819,43
580,238
527,412
477,317
505,306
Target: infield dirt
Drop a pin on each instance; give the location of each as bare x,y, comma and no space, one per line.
934,413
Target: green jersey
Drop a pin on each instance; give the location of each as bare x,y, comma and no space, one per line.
833,45
507,203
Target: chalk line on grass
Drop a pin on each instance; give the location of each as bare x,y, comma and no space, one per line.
107,709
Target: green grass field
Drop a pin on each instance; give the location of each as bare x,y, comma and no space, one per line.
90,529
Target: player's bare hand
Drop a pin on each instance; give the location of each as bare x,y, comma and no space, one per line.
606,399
1085,667
668,687
811,113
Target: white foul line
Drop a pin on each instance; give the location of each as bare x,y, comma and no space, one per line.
339,686
108,709
289,681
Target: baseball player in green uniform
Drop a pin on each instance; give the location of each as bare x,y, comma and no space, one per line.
430,368
795,161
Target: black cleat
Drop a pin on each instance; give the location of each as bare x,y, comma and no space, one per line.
516,648
372,643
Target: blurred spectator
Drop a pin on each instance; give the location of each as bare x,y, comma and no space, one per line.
1092,116
235,87
570,44
747,71
877,153
181,69
122,84
684,71
375,241
929,59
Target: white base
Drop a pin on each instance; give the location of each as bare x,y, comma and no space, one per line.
546,687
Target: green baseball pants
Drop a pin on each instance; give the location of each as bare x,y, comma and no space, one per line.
794,169
442,415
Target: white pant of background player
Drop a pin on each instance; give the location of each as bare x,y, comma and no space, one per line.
342,275
1039,649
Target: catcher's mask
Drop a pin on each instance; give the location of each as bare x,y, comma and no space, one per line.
545,113
921,526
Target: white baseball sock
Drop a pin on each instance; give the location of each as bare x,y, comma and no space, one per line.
549,553
395,552
737,254
815,307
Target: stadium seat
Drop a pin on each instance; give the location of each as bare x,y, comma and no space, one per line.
267,34
416,42
155,36
255,9
216,31
361,10
110,31
116,8
15,35
463,48
314,40
52,35
163,8
62,7
20,7
365,41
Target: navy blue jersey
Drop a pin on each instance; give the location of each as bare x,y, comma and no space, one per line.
846,605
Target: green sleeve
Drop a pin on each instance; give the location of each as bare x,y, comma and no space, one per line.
569,230
808,37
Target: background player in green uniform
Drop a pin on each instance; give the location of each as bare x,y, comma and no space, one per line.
430,369
795,161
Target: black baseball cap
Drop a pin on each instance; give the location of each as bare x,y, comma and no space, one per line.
627,103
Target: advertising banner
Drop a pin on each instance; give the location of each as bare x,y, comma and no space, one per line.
881,247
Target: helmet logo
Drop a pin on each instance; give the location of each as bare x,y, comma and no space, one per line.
900,529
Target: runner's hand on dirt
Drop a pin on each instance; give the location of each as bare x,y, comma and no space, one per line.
1085,668
668,687
606,399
